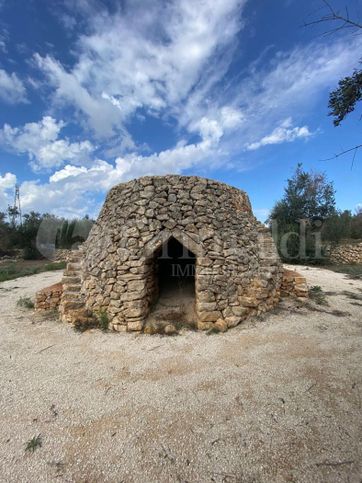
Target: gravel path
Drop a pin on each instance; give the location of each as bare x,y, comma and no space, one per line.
276,399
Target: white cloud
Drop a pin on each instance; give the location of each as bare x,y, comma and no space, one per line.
281,134
100,114
7,184
290,84
102,175
70,191
169,60
7,181
12,90
150,58
40,141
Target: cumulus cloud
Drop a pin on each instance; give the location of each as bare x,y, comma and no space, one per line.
102,175
100,114
283,133
170,61
150,58
70,191
12,90
7,181
40,141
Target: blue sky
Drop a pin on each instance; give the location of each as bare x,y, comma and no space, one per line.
93,93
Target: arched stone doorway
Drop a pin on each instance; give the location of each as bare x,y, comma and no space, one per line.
173,276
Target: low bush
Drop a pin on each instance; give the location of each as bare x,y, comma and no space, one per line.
34,443
103,320
25,302
316,293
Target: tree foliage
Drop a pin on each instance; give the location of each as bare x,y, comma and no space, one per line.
306,217
343,100
297,218
307,195
24,236
343,225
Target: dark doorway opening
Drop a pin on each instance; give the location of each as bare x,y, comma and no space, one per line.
174,271
176,268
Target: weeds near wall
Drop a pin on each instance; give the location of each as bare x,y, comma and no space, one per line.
25,303
317,295
103,320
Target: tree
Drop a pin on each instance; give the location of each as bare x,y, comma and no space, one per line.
338,226
356,224
344,98
309,199
4,234
27,234
307,195
73,232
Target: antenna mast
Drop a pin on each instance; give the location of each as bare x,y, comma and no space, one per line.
15,210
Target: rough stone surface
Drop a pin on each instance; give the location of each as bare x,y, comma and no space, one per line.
49,298
62,255
345,252
237,269
293,284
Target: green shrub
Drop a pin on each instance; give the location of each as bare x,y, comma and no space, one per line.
25,302
34,443
316,293
103,320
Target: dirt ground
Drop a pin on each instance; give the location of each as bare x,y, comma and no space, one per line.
275,399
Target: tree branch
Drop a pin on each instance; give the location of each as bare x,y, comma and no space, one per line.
335,16
342,153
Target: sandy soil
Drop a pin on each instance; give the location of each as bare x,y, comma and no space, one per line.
276,399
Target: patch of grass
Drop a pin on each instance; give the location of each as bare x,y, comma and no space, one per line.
54,266
353,271
34,443
24,268
103,320
11,272
317,295
25,302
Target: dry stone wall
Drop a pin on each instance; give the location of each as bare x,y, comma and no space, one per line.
49,298
293,284
62,255
237,273
345,252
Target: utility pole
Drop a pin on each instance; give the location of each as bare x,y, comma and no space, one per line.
15,210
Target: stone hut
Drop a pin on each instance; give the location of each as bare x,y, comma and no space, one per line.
183,240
